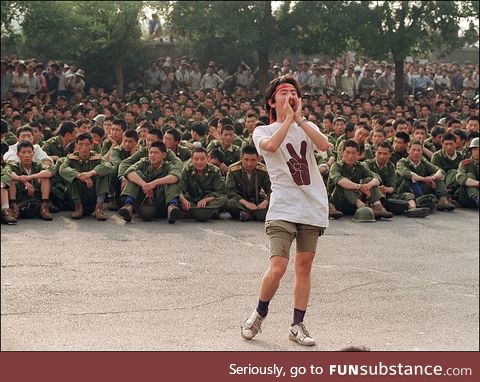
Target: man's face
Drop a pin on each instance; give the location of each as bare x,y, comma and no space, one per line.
339,128
107,126
327,125
25,136
399,145
402,127
382,155
37,135
227,138
187,113
419,135
250,123
49,114
249,162
169,141
128,144
84,128
150,139
472,126
199,161
361,135
415,152
438,140
449,147
128,117
172,123
378,138
350,155
156,156
286,92
26,156
116,133
84,147
475,154
69,137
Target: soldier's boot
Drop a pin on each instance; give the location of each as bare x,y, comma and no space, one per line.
7,217
444,204
112,203
333,212
14,211
453,201
78,213
380,212
126,212
418,212
45,211
99,214
52,207
245,216
173,213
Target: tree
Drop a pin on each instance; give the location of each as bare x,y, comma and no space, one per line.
403,28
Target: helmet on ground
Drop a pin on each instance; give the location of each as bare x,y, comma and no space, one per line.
396,206
29,208
428,200
364,215
202,214
147,210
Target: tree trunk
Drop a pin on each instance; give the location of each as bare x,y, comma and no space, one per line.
399,79
264,51
119,78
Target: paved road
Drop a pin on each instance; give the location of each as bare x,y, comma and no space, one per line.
409,284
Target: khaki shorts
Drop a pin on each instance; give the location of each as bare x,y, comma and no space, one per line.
281,234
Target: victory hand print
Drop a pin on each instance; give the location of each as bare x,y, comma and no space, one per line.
298,165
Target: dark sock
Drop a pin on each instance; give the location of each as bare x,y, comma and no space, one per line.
262,308
298,316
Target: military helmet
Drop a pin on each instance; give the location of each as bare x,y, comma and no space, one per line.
143,100
364,215
100,118
474,143
428,200
202,214
29,208
396,206
147,210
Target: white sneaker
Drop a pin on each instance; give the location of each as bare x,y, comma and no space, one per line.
251,327
299,333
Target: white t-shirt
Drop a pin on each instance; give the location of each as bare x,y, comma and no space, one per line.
298,191
38,154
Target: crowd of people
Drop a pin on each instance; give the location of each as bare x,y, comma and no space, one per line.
178,144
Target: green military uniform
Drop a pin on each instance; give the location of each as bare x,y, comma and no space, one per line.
162,194
332,138
142,153
203,141
51,123
404,190
387,172
397,156
17,168
118,155
467,196
106,146
343,199
5,176
54,146
59,194
239,185
183,153
449,165
431,146
366,152
195,187
232,154
78,190
10,138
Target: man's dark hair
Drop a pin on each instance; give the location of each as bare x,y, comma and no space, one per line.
449,137
227,128
121,123
415,142
177,136
437,130
249,149
159,145
472,118
24,129
66,127
420,127
386,145
399,121
329,116
199,128
238,127
351,143
157,132
472,134
131,134
98,130
452,121
272,86
403,135
83,121
216,154
383,132
461,134
83,136
226,121
23,144
199,150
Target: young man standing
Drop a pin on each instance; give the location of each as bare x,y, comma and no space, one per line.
298,203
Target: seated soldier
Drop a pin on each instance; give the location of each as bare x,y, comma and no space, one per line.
171,139
121,152
87,175
416,176
216,158
400,145
382,166
154,179
55,147
225,145
30,181
435,142
420,134
468,178
114,138
199,135
248,187
7,215
448,160
201,186
354,185
25,133
361,134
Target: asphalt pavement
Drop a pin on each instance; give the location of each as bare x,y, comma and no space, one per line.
405,284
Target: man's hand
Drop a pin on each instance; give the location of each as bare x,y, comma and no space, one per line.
224,168
250,206
30,189
430,180
150,186
365,189
123,184
186,204
385,189
83,176
89,182
263,205
203,203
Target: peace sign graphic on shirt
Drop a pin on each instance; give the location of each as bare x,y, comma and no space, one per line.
298,165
